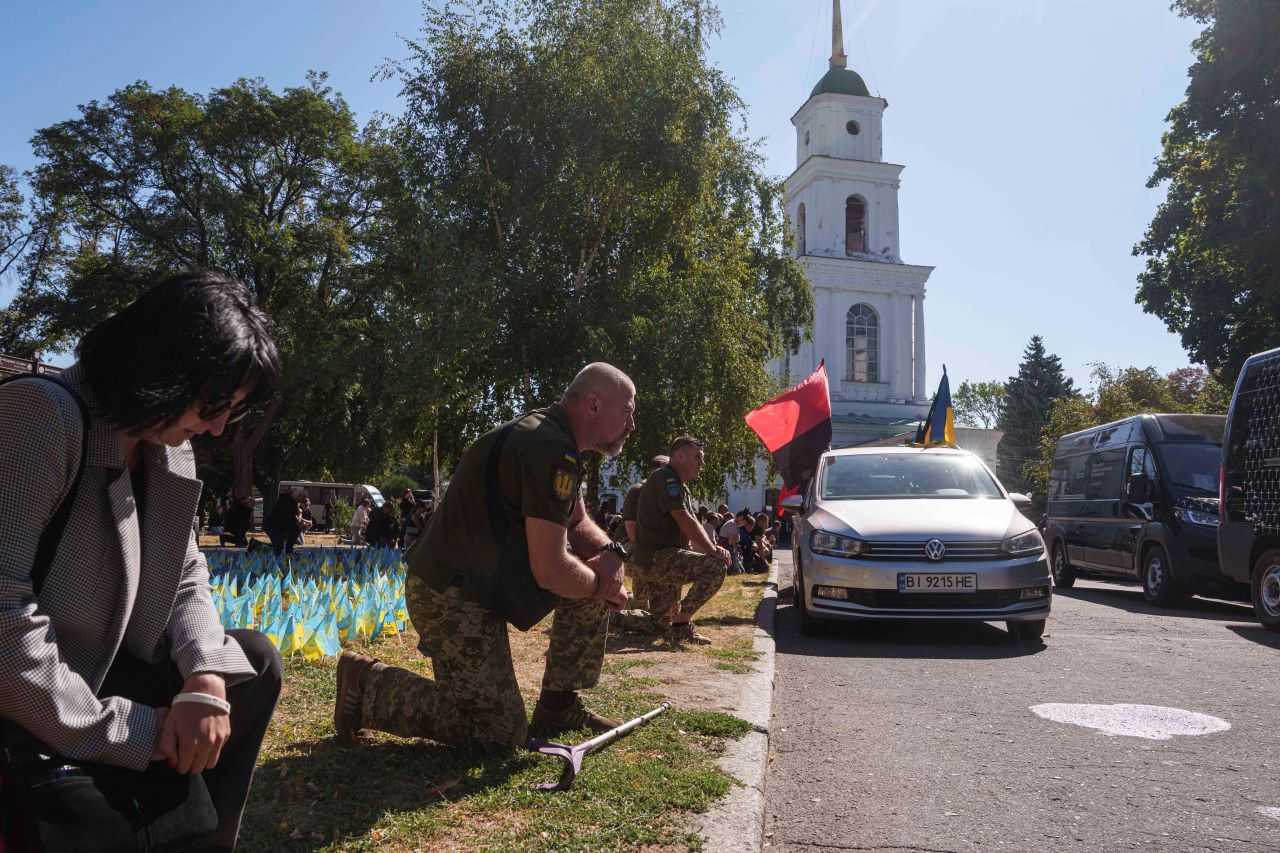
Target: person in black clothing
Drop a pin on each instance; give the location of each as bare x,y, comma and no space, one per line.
408,503
236,523
382,529
284,523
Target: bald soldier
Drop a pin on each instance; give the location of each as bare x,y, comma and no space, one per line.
673,549
497,553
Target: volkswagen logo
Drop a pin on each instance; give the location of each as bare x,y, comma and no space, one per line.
935,550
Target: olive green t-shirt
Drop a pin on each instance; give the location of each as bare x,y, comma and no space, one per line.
539,478
660,494
629,505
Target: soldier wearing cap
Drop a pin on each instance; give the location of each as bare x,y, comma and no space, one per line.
672,549
499,553
627,533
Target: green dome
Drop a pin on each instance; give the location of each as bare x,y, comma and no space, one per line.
841,81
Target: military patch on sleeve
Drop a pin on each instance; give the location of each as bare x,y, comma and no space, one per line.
570,458
673,490
563,484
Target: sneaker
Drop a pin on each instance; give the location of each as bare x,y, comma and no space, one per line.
349,703
576,716
634,622
684,632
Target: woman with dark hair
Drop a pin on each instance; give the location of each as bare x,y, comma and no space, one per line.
116,672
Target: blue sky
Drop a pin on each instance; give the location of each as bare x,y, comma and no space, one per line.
1027,127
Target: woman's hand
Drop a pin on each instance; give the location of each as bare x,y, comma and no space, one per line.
192,734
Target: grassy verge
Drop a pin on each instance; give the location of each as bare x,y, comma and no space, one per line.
310,793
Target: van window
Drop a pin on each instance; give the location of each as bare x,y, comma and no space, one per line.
1075,443
1068,477
1116,436
1192,466
1140,462
1106,475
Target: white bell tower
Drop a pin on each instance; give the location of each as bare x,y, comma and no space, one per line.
843,203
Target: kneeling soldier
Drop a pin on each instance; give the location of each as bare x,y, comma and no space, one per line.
666,530
497,552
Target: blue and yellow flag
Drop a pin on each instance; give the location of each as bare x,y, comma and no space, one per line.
939,428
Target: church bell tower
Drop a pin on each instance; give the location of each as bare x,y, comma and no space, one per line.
869,305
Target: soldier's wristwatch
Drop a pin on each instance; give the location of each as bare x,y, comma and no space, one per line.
616,547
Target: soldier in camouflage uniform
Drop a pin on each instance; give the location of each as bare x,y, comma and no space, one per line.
627,535
672,549
497,551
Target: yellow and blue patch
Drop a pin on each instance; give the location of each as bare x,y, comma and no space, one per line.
563,484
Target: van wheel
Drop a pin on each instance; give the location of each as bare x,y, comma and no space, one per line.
1026,630
1064,575
1158,586
810,625
1266,589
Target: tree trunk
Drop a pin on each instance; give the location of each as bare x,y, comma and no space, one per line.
242,449
592,499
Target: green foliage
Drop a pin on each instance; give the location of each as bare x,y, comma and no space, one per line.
340,515
280,189
1213,260
394,485
1028,398
978,404
13,234
602,203
1119,393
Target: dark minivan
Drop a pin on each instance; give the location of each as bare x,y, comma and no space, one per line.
1137,499
1249,533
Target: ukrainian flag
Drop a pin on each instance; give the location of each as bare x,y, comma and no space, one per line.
939,428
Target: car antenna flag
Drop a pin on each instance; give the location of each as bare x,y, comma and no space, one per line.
795,427
939,428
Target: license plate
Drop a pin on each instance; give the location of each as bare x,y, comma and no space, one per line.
937,582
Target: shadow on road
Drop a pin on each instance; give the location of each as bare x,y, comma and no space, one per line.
1257,634
1129,598
902,639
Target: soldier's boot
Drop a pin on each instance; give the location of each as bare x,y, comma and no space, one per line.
348,707
575,715
684,632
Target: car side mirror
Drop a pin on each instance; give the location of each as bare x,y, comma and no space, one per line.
1019,500
792,504
1138,489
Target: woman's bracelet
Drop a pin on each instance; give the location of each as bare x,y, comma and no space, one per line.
202,699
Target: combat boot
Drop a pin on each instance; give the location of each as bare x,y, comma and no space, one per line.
634,622
684,632
348,708
576,716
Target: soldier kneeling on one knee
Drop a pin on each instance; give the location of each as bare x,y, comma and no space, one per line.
673,549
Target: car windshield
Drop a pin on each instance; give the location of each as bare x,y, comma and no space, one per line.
1192,466
881,476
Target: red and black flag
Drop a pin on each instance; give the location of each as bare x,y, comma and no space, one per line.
796,428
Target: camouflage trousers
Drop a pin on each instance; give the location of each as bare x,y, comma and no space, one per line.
668,572
474,699
639,586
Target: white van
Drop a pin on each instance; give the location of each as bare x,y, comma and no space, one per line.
322,494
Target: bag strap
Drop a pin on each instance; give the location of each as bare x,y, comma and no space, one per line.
52,535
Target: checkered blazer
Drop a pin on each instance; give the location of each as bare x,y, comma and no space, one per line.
113,583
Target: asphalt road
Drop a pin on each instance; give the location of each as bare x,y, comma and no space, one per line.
919,736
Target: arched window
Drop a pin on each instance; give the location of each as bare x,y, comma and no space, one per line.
800,241
862,344
855,225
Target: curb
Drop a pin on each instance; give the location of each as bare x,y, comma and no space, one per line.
735,824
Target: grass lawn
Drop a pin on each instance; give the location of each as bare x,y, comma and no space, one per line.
311,793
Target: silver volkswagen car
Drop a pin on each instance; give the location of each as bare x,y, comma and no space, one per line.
906,533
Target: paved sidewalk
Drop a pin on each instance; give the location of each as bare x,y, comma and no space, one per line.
736,823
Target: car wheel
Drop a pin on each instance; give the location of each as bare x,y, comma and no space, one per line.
1026,630
1266,589
1064,574
1158,586
810,625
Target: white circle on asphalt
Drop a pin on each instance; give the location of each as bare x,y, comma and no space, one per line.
1269,811
1146,721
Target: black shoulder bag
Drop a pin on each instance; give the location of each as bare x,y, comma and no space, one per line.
509,588
53,804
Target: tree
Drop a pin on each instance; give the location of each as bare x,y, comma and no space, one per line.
979,404
1213,260
279,189
1028,397
13,235
603,204
1120,393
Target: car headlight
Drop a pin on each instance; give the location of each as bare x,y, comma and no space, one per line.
834,545
1195,516
1024,544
